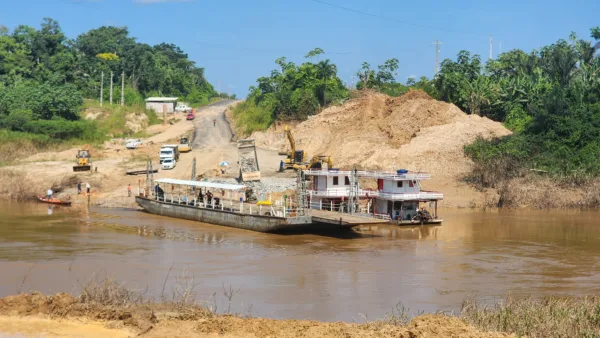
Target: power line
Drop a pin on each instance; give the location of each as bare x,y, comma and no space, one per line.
262,50
390,19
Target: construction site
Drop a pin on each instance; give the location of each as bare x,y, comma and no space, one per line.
369,132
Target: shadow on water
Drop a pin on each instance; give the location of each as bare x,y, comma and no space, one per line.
337,233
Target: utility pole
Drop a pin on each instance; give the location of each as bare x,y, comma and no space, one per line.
194,170
101,88
122,88
437,56
491,45
111,81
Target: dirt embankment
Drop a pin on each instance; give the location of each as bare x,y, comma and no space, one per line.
65,315
413,131
34,174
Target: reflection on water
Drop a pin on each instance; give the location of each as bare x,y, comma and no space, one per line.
327,276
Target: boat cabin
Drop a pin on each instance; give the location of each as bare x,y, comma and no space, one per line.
399,195
329,188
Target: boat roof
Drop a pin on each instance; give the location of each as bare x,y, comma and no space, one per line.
201,184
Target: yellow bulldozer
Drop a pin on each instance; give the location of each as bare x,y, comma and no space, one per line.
83,161
297,159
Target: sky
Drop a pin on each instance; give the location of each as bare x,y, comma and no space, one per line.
237,41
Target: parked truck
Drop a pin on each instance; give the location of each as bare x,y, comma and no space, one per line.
248,161
169,151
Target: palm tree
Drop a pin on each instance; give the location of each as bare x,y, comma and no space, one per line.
478,93
325,69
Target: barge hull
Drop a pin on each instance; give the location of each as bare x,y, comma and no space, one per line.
252,222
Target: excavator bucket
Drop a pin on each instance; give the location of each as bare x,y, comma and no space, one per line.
82,167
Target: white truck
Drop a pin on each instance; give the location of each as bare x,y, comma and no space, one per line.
169,151
183,108
133,143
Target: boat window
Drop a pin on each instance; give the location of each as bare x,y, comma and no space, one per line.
346,180
399,184
336,180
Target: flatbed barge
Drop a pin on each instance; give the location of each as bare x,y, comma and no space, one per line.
196,201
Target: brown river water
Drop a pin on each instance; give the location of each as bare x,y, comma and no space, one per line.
348,275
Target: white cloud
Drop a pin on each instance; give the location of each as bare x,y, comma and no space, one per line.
147,2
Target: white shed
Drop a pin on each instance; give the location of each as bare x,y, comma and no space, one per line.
161,104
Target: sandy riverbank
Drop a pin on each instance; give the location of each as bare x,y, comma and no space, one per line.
64,315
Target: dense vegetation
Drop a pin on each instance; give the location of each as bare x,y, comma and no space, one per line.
384,80
295,92
291,92
550,98
44,78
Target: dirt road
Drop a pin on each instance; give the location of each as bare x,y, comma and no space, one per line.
211,146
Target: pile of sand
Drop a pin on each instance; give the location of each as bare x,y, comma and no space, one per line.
376,131
414,131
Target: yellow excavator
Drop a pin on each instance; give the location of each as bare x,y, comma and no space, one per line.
317,162
297,159
294,157
83,161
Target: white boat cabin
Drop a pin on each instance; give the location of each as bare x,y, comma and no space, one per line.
399,194
329,188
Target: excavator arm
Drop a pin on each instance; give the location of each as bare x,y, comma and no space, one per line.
290,137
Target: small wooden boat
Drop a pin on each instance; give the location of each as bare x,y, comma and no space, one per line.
53,201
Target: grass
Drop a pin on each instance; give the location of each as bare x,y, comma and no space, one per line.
249,117
548,317
15,145
112,120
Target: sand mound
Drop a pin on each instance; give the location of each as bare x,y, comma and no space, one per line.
413,131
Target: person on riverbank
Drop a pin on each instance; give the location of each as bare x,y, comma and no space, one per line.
88,188
79,188
129,189
49,193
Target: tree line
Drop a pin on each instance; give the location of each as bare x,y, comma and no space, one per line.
44,75
549,98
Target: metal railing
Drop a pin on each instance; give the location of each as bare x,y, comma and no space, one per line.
393,175
341,192
278,210
327,172
329,206
423,195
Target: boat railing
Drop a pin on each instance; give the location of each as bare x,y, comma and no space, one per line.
341,192
423,195
393,175
289,210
